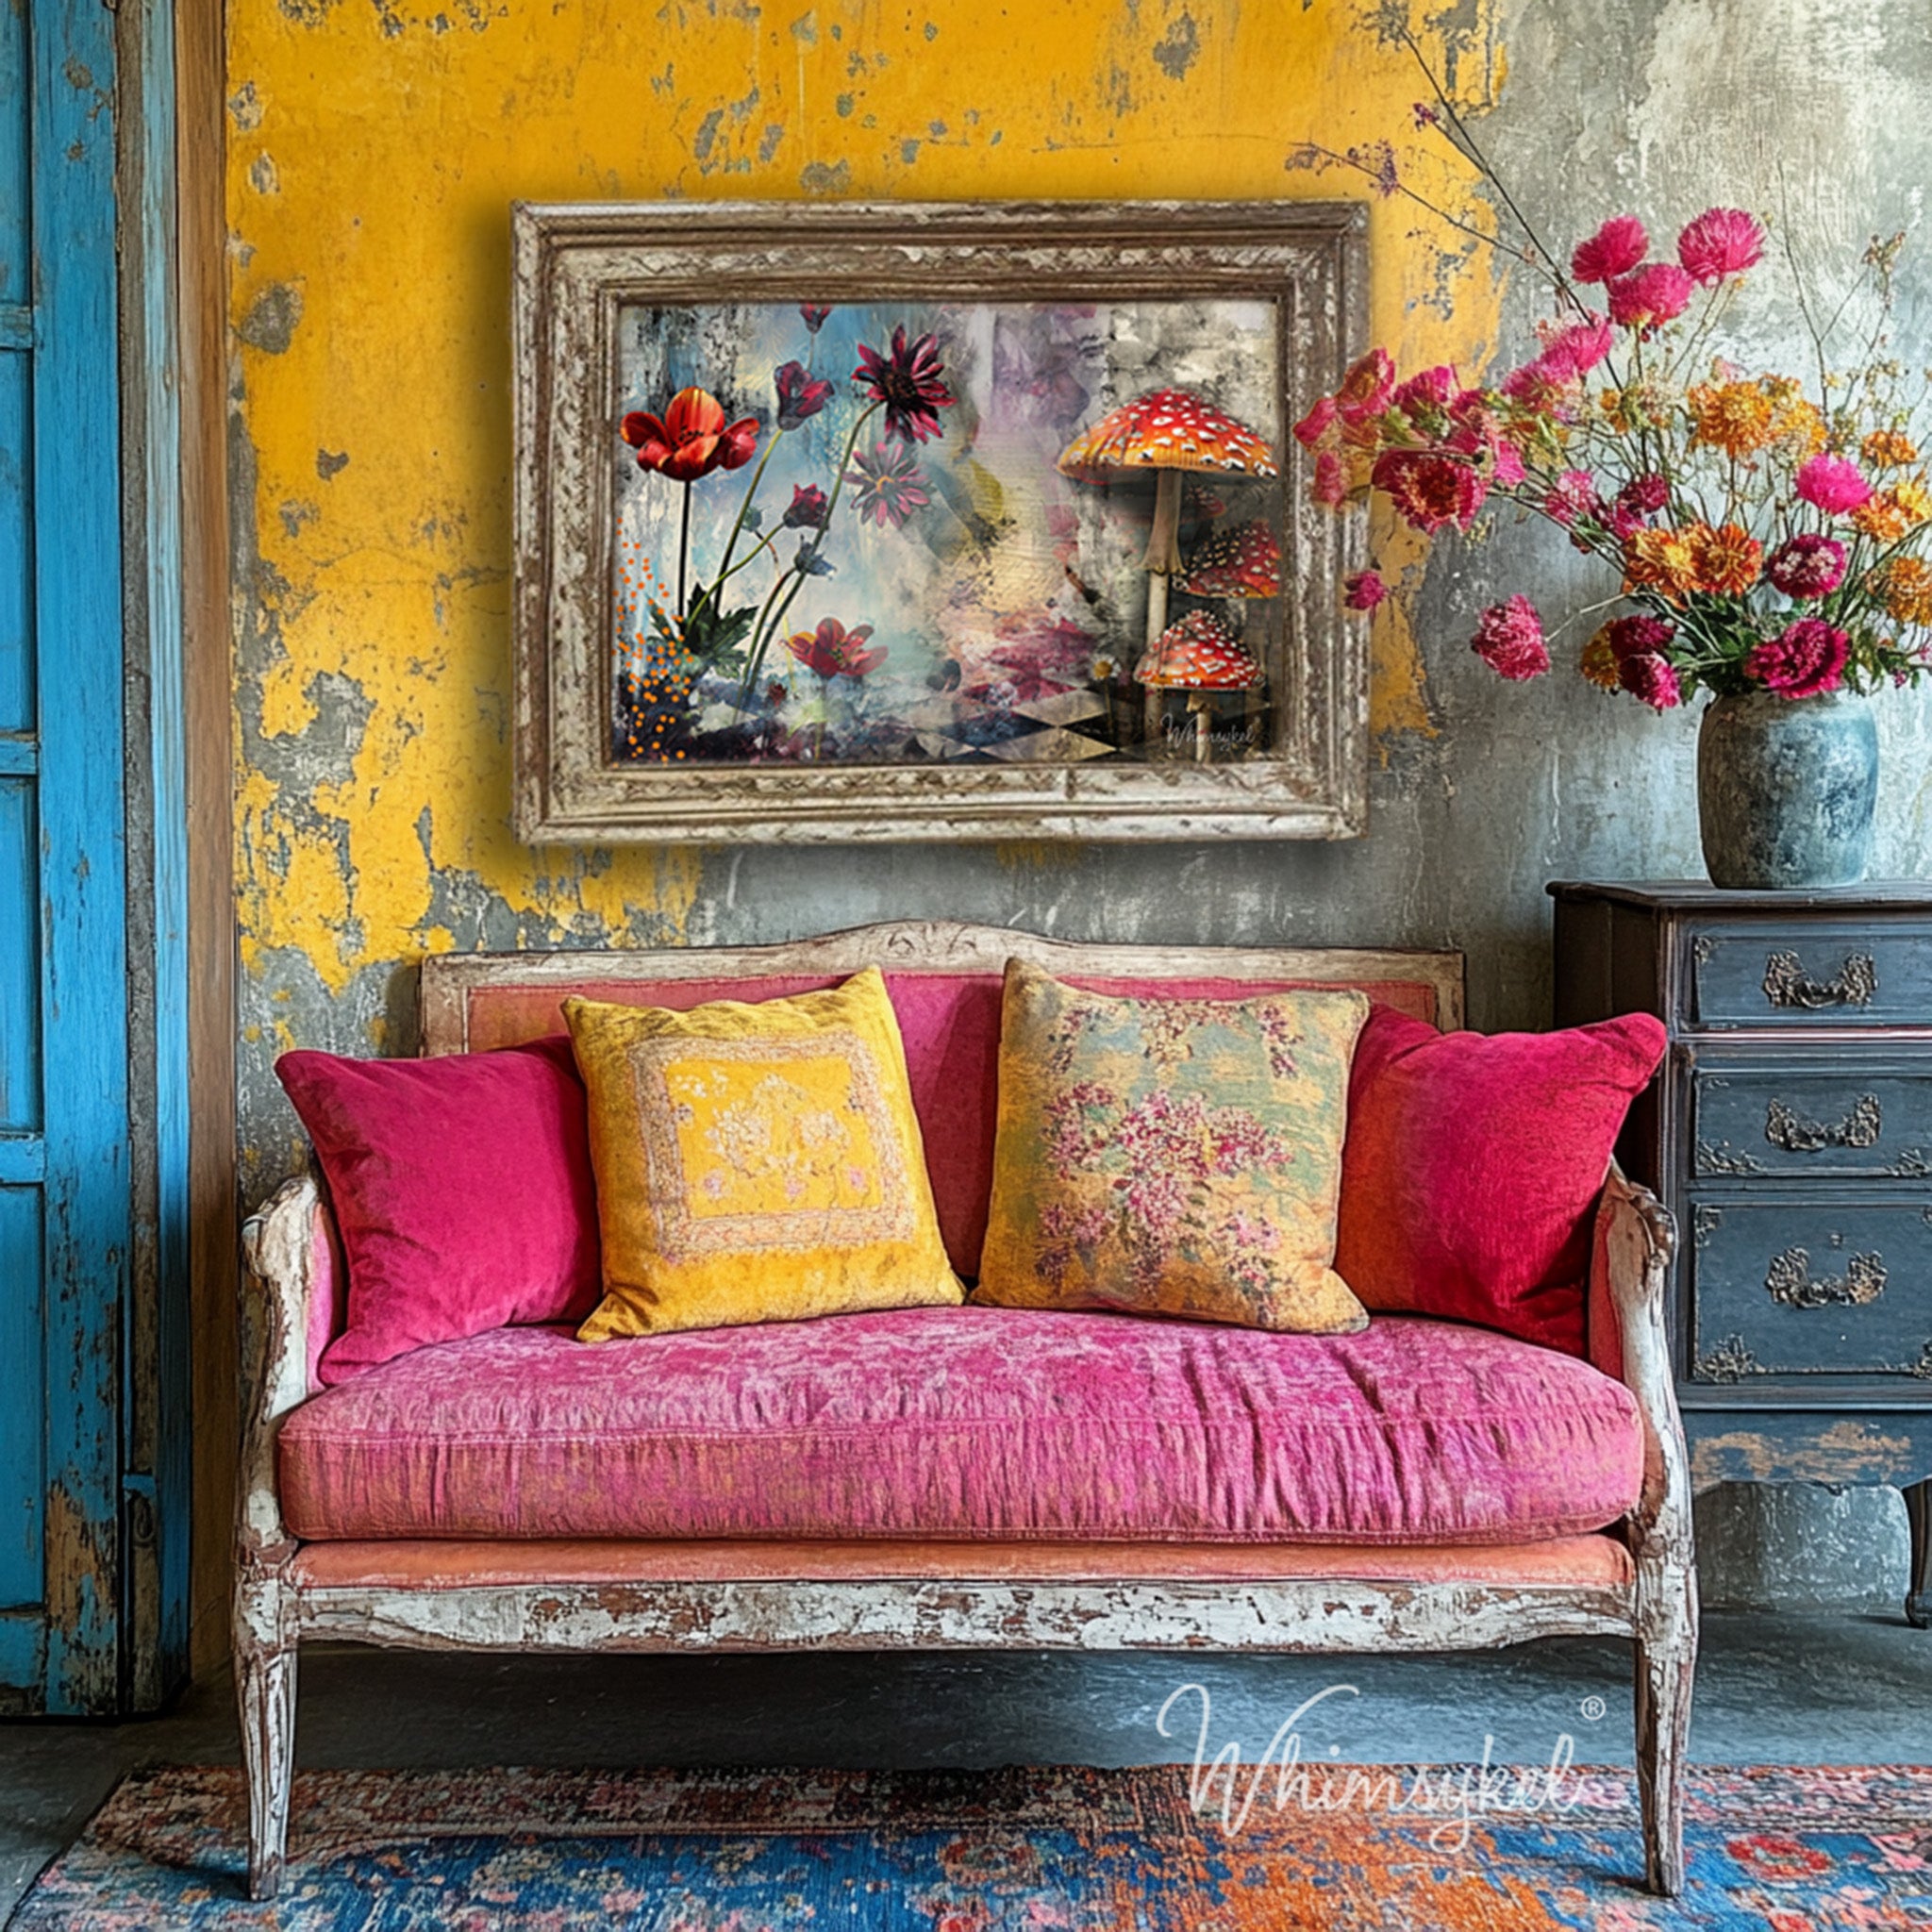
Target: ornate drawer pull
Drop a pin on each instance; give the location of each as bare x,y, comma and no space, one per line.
1797,1134
1788,1281
1786,985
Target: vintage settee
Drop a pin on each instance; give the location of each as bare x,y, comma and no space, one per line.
933,1477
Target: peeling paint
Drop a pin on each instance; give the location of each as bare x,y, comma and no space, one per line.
269,323
371,597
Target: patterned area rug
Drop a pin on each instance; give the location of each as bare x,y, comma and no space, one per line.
1773,1850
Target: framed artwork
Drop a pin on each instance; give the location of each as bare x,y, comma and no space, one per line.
970,521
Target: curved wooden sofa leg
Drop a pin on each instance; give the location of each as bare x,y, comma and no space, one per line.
265,1686
265,1655
1665,1667
1635,1239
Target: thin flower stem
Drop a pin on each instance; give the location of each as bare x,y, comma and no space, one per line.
1547,261
760,644
751,492
683,550
1422,201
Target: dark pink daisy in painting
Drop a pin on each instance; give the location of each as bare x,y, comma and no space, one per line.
906,380
889,483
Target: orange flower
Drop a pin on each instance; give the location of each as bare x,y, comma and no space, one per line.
1888,449
1664,560
1735,417
1797,424
1907,588
1728,560
1599,661
1884,516
1914,498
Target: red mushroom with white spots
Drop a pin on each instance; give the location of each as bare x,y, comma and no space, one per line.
1242,562
1173,433
1199,655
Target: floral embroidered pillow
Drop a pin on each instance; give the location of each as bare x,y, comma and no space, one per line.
1176,1156
755,1162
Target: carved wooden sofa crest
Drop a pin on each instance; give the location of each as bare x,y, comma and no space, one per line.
303,1577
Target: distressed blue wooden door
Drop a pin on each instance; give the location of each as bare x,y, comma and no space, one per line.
65,1200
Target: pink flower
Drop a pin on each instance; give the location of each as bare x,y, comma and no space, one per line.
1330,486
1317,423
1832,484
1547,388
1614,250
1806,660
1510,640
1429,389
1657,293
1807,566
1363,591
1429,490
1571,497
1640,636
1720,241
1367,386
1577,350
1650,677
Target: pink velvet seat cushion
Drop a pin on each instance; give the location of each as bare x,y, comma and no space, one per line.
1474,1163
462,1189
971,1423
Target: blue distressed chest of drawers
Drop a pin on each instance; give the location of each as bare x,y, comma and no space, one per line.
1790,1131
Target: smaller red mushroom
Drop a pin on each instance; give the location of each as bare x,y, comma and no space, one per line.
1242,562
1198,653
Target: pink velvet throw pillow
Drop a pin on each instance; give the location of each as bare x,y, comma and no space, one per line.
462,1187
1473,1164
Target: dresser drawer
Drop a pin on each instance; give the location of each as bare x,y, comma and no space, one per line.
1753,973
1841,1288
1817,1117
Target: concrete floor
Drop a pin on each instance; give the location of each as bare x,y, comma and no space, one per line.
1843,1686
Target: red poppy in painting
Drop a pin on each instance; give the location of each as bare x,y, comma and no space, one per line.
691,438
833,651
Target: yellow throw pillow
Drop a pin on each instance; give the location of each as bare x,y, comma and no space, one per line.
1178,1156
756,1163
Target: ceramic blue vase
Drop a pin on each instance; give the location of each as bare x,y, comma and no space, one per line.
1784,790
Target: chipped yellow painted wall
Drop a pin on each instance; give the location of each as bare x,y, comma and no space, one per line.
375,147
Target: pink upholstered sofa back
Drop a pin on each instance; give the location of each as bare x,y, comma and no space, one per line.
951,1023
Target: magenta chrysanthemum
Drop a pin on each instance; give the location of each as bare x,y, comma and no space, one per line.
1644,496
1807,566
1510,640
1428,390
1429,491
1658,291
1363,591
1806,660
1330,486
1639,636
1317,423
1720,241
1614,250
1832,484
1577,350
1651,678
1571,497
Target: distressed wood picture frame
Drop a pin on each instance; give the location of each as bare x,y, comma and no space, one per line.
979,646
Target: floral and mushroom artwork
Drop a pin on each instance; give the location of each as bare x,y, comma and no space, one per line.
884,533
